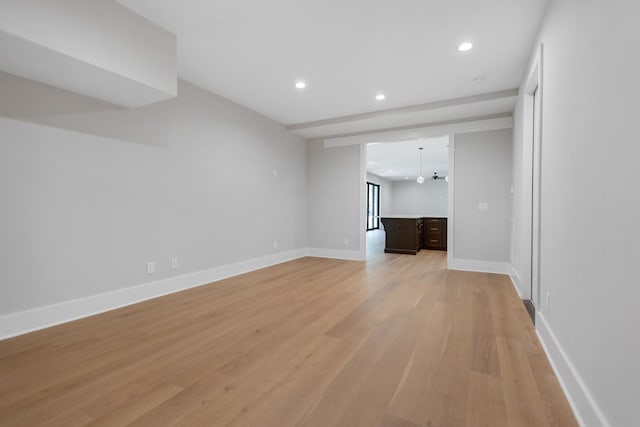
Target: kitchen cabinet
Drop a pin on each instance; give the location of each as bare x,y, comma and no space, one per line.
434,234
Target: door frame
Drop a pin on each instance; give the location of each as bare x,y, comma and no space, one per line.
533,177
426,131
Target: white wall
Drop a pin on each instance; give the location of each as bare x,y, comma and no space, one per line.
428,199
482,174
334,189
90,193
590,205
386,192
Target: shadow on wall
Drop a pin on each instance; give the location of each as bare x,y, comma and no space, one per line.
34,102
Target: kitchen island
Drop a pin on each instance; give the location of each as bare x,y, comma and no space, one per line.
403,235
406,234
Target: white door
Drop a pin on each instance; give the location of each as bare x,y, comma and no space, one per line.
535,203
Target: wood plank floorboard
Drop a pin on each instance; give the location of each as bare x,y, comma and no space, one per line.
396,341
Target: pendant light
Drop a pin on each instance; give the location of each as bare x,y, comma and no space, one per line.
420,178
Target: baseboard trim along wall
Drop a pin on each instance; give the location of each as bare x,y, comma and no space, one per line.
336,254
582,402
479,266
43,317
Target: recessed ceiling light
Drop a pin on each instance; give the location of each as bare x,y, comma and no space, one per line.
300,84
463,47
380,96
406,177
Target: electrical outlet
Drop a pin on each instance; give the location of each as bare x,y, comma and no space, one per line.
151,267
174,263
275,244
483,206
346,241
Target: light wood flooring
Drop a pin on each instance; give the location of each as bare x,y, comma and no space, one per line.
398,341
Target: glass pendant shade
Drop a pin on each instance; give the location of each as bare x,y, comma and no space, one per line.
420,179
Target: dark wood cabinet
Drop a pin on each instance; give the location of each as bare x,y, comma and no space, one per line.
434,234
403,235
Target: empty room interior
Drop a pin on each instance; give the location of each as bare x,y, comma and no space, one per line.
319,213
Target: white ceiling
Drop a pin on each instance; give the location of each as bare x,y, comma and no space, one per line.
401,160
253,51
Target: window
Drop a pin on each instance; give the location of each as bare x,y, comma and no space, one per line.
373,206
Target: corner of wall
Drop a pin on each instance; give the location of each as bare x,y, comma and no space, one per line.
515,280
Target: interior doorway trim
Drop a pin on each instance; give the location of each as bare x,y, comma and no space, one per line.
414,133
533,98
451,202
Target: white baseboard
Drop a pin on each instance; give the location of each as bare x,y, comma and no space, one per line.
516,280
585,408
480,266
43,317
336,253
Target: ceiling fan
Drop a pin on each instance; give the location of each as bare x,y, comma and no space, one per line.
435,177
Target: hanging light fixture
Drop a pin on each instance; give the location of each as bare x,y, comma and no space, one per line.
420,178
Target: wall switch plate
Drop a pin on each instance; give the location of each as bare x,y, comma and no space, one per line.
151,267
275,244
275,173
174,263
548,301
483,206
346,241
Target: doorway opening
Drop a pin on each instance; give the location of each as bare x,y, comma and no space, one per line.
407,180
535,202
532,188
